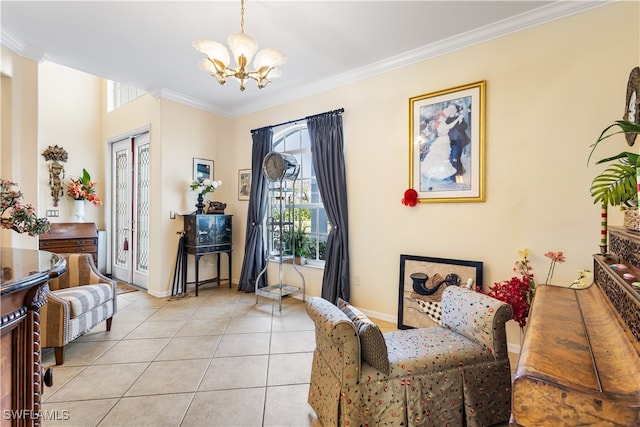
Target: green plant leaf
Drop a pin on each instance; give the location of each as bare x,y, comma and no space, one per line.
626,157
615,185
86,178
625,127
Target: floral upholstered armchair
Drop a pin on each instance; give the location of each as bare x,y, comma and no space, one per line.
455,374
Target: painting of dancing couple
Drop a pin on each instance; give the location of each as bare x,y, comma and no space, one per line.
447,144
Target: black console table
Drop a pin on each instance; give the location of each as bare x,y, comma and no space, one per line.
206,234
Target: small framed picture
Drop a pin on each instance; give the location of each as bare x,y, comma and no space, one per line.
422,282
244,184
202,169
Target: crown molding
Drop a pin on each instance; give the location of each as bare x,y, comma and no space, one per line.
158,92
533,18
16,45
544,14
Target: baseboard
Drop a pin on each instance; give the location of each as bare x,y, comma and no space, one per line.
379,316
163,294
513,348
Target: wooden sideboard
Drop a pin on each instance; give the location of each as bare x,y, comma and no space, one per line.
23,288
71,237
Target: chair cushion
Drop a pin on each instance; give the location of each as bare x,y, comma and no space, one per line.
82,299
372,344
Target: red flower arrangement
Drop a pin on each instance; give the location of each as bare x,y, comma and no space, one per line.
410,197
84,189
518,292
515,293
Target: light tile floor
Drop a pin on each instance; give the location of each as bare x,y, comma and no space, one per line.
218,359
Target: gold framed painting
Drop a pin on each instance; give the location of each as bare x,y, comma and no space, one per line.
446,144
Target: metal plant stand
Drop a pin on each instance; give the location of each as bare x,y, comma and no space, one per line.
282,172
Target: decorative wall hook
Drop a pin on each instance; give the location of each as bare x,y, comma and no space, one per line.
56,170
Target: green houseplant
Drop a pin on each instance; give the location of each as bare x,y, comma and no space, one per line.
616,185
298,240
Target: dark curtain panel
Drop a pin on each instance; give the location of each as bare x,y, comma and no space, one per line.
254,254
325,133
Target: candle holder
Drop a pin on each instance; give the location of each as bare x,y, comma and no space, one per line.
200,204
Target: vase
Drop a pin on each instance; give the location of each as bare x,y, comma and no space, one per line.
79,210
200,205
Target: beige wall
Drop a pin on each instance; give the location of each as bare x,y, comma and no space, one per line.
18,154
550,91
188,133
70,111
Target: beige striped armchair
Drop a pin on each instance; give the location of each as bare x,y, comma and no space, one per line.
79,300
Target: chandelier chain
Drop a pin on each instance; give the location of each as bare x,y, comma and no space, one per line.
242,16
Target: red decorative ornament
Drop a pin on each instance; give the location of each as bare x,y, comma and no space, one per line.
410,197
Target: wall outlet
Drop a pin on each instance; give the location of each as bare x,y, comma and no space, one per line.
356,280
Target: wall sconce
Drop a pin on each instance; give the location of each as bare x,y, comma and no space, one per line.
56,171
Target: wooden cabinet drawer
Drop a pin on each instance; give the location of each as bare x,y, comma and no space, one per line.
67,243
71,249
71,238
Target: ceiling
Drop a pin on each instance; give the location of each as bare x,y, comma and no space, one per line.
147,44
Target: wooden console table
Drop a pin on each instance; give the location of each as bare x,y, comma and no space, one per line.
71,237
23,283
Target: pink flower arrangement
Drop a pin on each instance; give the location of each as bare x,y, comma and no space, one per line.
83,189
16,215
554,257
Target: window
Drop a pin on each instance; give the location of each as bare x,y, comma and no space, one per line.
119,94
308,213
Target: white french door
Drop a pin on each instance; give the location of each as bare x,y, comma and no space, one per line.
130,171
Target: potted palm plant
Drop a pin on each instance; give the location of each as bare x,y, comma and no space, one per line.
617,184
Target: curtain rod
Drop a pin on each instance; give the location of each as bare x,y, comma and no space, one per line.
338,111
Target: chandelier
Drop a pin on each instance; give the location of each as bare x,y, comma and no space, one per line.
243,48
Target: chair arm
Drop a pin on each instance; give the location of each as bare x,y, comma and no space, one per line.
336,339
477,317
96,277
54,318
